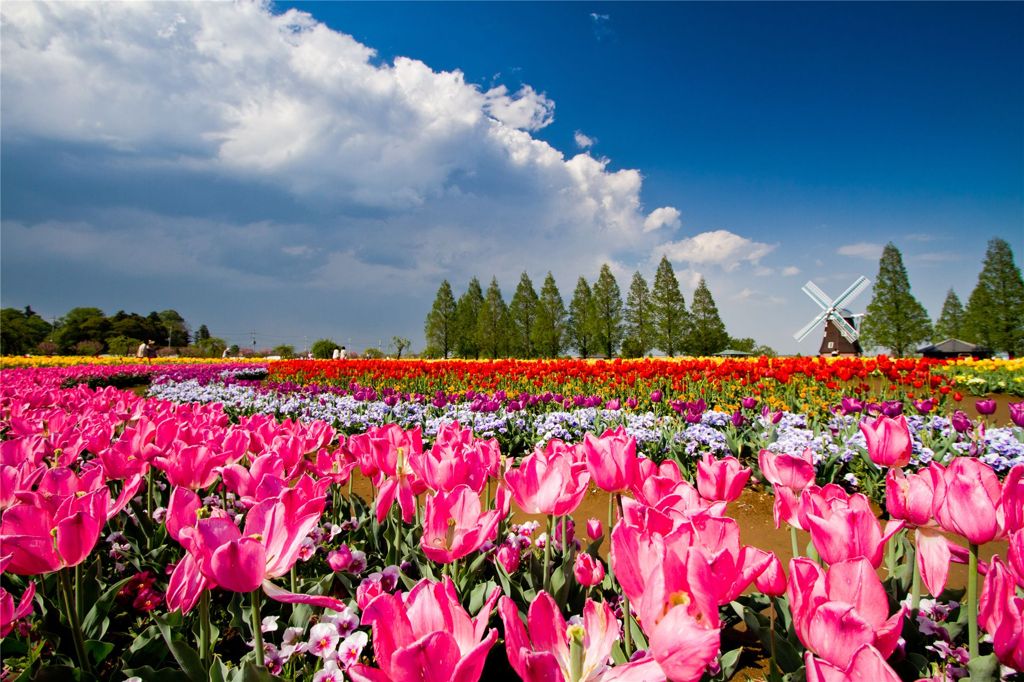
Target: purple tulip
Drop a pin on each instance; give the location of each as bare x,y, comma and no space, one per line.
1017,413
777,417
738,419
892,408
924,406
985,406
439,401
851,406
961,422
873,409
655,396
748,402
613,404
631,403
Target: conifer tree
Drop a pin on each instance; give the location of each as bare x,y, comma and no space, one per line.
950,324
668,310
894,319
548,332
467,312
440,326
707,331
492,323
608,312
639,330
995,310
522,314
580,329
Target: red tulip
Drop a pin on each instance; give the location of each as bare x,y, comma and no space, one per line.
888,441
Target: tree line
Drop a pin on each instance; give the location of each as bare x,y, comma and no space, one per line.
597,321
993,317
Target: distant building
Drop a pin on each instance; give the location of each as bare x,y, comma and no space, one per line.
834,344
954,348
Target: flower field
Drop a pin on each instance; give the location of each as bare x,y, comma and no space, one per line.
545,520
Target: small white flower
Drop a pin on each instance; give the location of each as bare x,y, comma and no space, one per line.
352,648
323,638
269,624
330,673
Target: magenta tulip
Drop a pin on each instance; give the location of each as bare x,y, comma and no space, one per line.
843,529
967,501
985,406
888,441
867,665
588,570
721,480
548,481
453,525
1017,413
594,529
611,459
772,580
794,471
9,612
46,534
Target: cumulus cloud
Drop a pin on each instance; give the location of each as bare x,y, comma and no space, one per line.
865,250
790,270
666,216
748,295
528,110
719,247
584,141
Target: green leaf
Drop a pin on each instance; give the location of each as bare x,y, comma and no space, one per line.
150,675
479,595
95,622
729,661
98,651
185,655
58,673
253,673
218,671
984,668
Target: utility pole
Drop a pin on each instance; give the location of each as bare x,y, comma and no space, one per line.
254,341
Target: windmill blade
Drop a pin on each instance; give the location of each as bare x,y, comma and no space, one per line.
802,334
843,326
858,286
817,295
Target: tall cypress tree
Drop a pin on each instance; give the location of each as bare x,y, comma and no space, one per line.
582,314
522,313
440,326
639,337
707,331
608,309
995,310
950,324
467,312
492,323
668,310
894,319
548,332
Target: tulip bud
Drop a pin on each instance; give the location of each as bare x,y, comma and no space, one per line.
594,529
772,580
508,557
961,422
656,396
340,559
588,570
748,402
985,406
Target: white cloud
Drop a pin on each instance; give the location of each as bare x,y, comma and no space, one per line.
666,216
584,141
528,110
865,250
748,295
790,270
719,247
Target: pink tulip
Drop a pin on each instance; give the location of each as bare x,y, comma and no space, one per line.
548,482
835,614
794,471
186,585
1001,614
888,441
867,665
453,525
390,452
588,570
49,533
508,557
543,650
611,459
594,529
772,580
845,528
456,458
9,613
967,501
427,636
911,496
1012,498
721,480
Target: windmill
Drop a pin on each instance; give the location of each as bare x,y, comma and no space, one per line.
841,335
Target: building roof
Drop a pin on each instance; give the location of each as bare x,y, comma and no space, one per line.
951,346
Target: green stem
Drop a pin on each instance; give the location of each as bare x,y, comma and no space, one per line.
915,585
79,596
257,627
73,620
972,601
794,545
626,621
291,579
204,629
771,635
398,539
547,554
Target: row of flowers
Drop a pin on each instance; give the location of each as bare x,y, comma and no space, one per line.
200,507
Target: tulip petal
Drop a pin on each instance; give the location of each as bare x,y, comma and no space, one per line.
279,594
431,659
239,565
682,647
933,557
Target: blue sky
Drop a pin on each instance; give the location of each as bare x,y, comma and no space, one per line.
315,169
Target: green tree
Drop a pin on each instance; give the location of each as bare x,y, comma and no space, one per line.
639,338
122,345
176,327
21,331
950,324
608,312
440,327
894,319
522,313
749,345
995,310
548,331
284,350
707,331
80,324
492,323
400,344
668,310
203,333
582,316
467,312
323,349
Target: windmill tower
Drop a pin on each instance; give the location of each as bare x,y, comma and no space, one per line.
841,335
